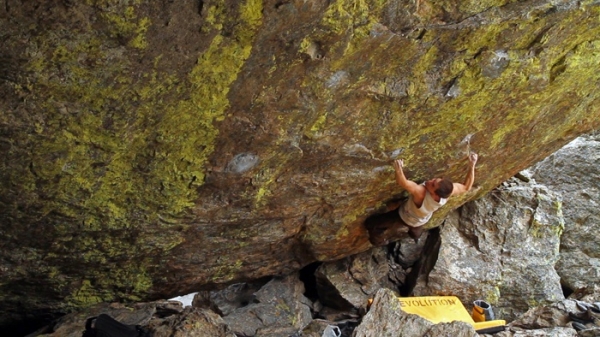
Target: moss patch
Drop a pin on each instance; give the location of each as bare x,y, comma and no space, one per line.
120,148
354,18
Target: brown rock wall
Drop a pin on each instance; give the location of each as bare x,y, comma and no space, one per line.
153,148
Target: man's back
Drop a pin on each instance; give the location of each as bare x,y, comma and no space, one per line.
415,216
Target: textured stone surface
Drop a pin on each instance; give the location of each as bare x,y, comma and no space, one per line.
549,332
316,328
229,299
152,148
386,318
402,257
501,248
549,320
573,173
279,309
191,322
73,325
350,282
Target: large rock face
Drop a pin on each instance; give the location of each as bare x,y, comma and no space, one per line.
386,318
501,248
573,172
151,148
280,309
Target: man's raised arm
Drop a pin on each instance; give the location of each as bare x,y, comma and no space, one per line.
409,185
469,180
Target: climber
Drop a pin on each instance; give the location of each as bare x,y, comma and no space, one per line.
424,199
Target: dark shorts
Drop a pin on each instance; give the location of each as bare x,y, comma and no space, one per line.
388,227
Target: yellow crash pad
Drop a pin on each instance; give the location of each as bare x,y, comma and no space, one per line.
439,309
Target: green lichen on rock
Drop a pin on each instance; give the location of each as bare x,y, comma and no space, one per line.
493,295
127,283
87,295
119,157
479,92
525,73
126,23
354,19
516,61
225,272
118,138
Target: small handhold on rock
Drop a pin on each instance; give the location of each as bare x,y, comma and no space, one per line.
242,162
313,49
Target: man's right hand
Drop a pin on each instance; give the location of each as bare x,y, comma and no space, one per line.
398,164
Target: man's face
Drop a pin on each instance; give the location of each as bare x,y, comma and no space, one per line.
432,185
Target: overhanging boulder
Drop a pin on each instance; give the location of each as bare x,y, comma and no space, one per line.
154,148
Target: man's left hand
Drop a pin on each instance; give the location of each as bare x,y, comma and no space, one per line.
473,158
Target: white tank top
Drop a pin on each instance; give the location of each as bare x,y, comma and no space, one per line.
418,216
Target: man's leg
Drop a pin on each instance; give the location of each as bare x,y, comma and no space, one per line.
382,227
416,232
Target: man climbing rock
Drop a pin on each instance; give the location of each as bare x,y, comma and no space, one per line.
424,199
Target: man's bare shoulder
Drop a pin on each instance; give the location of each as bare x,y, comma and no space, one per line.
417,190
458,189
419,194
